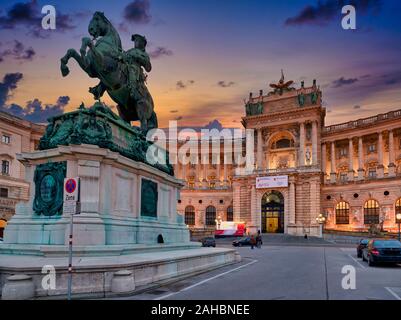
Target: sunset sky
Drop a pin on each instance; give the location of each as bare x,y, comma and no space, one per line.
209,54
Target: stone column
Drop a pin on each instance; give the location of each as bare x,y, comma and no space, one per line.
350,160
391,157
314,143
302,144
218,174
361,170
333,171
380,167
204,180
225,173
198,180
253,226
324,161
259,156
292,202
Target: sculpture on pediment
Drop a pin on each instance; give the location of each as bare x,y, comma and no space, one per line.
282,86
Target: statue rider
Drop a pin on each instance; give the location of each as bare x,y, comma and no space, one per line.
136,59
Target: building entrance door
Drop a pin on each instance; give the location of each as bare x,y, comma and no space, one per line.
273,212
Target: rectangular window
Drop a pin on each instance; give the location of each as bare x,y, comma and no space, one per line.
343,152
372,148
344,177
372,173
5,167
6,139
3,192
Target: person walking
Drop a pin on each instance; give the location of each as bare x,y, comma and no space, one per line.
253,241
259,240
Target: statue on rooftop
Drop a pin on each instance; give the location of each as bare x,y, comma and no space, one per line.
121,73
282,86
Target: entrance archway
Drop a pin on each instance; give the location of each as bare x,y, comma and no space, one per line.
273,212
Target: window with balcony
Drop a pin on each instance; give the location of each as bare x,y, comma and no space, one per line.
343,177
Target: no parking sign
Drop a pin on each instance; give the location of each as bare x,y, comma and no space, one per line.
71,195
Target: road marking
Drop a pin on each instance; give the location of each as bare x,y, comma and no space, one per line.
364,267
393,293
206,280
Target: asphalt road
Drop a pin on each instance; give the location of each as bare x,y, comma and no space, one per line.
311,271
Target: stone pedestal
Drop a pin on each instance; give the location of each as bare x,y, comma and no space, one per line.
351,175
122,282
392,170
333,177
380,171
361,174
18,287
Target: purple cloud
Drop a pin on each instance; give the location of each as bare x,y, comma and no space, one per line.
224,84
325,11
10,82
138,11
181,85
18,52
160,52
343,82
28,14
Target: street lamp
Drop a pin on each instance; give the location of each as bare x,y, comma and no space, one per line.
398,218
321,219
218,222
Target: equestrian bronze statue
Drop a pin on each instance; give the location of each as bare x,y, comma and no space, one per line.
121,73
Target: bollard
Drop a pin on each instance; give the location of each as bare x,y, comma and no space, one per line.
18,287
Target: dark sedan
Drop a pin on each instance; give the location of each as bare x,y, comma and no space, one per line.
208,242
382,251
246,241
361,245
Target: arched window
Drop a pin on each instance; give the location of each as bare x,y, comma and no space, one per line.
371,212
190,216
342,213
283,143
397,208
230,213
210,216
5,167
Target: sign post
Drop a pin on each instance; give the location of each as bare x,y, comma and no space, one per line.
71,206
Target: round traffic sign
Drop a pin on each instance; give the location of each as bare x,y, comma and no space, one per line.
70,186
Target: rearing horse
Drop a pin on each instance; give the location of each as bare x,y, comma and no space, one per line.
103,58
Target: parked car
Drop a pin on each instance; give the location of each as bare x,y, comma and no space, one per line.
245,241
361,245
382,251
208,242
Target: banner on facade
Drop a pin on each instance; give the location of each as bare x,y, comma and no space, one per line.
272,182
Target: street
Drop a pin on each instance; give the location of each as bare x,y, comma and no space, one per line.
279,271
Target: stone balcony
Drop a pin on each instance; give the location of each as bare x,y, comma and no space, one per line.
366,122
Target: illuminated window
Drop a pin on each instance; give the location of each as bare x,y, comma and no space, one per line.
190,216
371,212
6,139
210,216
342,213
372,173
230,213
283,144
343,152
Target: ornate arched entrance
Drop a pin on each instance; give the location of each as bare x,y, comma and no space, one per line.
273,212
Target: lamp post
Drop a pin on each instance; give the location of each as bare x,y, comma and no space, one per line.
218,222
321,219
398,218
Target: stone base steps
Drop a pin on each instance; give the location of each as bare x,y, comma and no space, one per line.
104,275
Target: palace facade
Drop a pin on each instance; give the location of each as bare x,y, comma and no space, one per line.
350,173
17,136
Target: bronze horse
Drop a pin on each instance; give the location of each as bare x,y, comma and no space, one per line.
103,58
